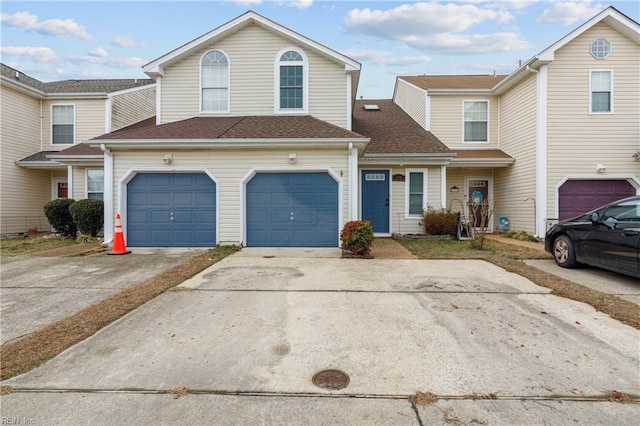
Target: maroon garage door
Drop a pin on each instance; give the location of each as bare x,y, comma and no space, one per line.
579,196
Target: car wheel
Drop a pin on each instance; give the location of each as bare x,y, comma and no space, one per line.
564,252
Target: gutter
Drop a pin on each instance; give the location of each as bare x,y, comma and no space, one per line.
223,143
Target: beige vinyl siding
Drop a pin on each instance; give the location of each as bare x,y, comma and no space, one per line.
23,192
89,123
447,121
577,140
252,55
456,201
399,222
412,100
229,167
132,107
514,184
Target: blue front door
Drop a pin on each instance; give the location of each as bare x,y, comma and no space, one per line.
171,210
375,199
292,210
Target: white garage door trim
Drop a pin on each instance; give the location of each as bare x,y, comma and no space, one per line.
131,173
633,180
252,172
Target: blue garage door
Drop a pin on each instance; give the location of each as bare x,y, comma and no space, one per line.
292,210
171,210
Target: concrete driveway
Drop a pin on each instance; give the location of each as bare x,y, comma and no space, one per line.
622,286
245,337
38,291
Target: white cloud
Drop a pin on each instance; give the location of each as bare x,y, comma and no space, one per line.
300,4
469,43
123,41
54,27
568,13
247,2
40,54
420,18
99,52
100,56
385,58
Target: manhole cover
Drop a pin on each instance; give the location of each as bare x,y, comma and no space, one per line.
331,379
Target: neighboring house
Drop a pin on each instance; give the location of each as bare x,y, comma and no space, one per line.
551,140
43,125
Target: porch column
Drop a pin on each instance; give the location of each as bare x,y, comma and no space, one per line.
443,186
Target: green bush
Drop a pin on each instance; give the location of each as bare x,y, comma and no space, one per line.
439,222
357,237
88,216
59,216
521,236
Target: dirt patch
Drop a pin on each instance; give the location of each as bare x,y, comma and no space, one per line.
423,398
388,248
179,392
510,256
37,348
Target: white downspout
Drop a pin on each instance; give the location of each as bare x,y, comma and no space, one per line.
353,181
443,186
108,195
541,149
41,129
70,182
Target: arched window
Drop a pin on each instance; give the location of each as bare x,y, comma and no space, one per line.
291,81
214,82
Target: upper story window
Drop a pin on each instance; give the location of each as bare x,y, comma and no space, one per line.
601,91
214,81
600,48
476,121
291,80
62,124
95,184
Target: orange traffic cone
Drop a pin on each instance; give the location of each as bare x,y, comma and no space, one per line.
118,239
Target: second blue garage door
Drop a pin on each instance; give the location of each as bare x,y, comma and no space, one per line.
171,210
292,210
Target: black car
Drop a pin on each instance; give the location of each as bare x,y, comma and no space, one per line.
608,237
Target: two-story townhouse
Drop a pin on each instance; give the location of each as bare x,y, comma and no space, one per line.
569,118
43,125
255,142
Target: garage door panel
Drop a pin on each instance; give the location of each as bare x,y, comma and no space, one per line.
154,199
577,196
313,199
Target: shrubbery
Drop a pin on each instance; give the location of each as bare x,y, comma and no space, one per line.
439,222
59,216
88,216
357,237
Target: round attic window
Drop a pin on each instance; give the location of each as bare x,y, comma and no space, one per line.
600,48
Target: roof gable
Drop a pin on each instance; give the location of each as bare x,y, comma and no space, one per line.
157,66
610,16
454,82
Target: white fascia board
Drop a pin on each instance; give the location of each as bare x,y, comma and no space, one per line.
156,67
23,88
131,90
83,95
405,161
469,92
225,143
40,164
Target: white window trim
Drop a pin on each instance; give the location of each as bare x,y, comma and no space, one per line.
51,125
203,112
407,184
305,83
86,182
591,112
608,54
488,120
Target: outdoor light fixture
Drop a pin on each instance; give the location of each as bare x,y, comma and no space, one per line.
600,168
454,189
292,158
167,159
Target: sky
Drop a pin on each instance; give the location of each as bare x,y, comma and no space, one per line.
52,41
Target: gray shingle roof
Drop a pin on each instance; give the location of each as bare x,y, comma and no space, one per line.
246,127
454,81
393,131
74,86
